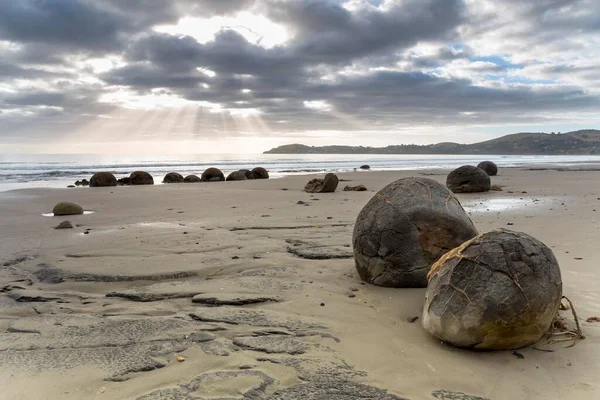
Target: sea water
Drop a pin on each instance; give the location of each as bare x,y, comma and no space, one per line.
53,170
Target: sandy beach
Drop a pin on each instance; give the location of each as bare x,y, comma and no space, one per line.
259,297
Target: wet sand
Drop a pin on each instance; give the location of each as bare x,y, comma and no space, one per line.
260,296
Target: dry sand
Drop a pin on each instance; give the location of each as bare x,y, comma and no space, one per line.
104,315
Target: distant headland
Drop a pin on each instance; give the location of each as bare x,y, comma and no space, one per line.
580,142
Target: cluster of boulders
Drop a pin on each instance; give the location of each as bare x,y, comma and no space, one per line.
104,179
496,290
471,179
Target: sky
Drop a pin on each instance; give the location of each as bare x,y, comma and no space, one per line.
242,76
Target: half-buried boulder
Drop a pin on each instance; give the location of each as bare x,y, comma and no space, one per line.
365,167
500,290
404,229
358,188
67,208
192,179
65,225
141,178
103,179
260,173
173,177
489,167
325,185
237,176
468,179
249,174
213,175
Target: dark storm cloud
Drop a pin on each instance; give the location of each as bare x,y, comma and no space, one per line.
367,43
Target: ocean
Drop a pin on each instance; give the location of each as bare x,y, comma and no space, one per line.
52,170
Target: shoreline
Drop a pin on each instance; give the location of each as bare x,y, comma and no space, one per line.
119,297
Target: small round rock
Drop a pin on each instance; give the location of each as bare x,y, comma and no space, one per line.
67,208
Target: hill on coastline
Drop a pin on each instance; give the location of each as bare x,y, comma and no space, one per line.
528,143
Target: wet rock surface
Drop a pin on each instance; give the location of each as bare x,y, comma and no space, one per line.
318,251
141,178
449,395
173,177
213,175
489,167
232,299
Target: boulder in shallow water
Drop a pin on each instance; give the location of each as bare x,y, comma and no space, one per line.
468,179
67,208
260,173
325,185
489,167
499,290
404,229
192,179
213,175
365,167
173,177
103,179
237,176
65,225
141,178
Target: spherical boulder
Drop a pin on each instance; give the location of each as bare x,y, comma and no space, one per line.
141,178
489,167
213,175
237,176
499,290
67,208
192,179
260,173
468,179
103,179
249,174
325,185
404,229
173,177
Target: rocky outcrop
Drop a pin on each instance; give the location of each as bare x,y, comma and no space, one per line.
325,185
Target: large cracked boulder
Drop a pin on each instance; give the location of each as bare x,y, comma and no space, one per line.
173,177
404,229
489,167
67,208
468,179
499,290
237,176
213,175
103,179
141,178
260,173
325,185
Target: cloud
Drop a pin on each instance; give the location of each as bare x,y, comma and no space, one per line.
382,67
